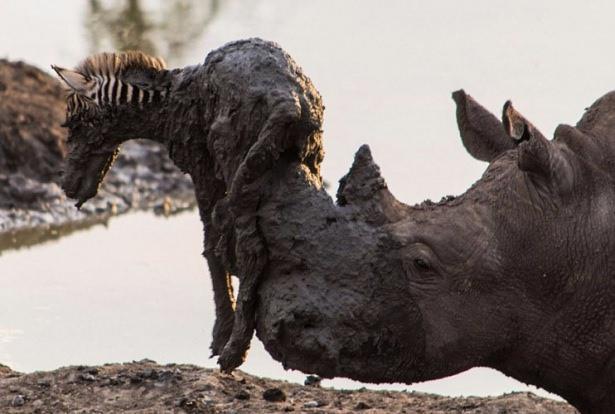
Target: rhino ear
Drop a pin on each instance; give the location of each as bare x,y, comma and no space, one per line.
481,132
544,162
74,80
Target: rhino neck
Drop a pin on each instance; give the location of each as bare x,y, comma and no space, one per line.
553,373
565,322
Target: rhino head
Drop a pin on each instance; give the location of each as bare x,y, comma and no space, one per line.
516,274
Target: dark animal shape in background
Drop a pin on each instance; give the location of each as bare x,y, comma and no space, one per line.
516,274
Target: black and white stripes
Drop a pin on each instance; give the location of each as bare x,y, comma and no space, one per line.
115,79
113,90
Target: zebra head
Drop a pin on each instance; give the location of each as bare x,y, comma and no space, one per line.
111,97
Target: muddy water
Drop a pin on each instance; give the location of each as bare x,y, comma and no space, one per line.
138,288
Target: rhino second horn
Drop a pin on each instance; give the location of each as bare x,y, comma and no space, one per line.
536,154
515,125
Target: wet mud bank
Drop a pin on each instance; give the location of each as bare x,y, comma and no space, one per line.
33,208
148,387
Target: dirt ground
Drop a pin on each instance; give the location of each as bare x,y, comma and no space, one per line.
146,387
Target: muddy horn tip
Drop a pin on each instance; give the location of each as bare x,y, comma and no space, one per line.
459,93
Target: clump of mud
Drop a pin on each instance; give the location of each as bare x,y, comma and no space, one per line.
146,387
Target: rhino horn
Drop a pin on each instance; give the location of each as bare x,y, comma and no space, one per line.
542,159
534,155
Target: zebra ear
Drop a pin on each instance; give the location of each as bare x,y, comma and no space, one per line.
77,81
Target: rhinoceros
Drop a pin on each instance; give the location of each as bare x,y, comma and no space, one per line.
516,274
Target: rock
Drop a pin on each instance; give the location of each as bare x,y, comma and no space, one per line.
18,401
43,382
87,377
312,380
362,406
150,373
195,405
207,400
166,375
177,374
5,371
242,395
115,381
274,395
314,404
25,189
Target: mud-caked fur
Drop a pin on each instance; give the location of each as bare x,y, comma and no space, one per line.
226,123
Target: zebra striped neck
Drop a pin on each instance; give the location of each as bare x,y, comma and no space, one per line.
115,79
114,91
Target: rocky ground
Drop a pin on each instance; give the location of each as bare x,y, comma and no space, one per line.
32,149
146,387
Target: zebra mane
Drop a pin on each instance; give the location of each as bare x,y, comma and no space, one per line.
116,64
114,79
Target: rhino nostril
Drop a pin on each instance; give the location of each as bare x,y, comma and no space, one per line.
304,319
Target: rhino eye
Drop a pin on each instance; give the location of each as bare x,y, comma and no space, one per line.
421,264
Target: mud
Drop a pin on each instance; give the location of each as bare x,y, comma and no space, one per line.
146,387
33,208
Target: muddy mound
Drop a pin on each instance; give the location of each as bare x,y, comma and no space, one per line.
146,387
31,112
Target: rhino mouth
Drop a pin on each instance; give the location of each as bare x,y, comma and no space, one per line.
81,182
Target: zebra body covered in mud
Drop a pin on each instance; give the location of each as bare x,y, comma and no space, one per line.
248,98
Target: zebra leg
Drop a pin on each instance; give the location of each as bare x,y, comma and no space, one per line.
244,198
224,302
220,279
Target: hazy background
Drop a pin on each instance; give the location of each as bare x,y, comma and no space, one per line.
385,70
